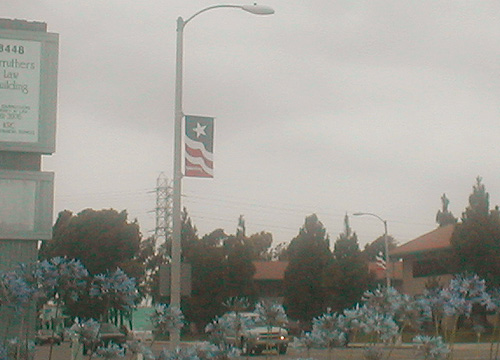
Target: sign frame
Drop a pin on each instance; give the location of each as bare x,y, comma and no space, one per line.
47,111
43,205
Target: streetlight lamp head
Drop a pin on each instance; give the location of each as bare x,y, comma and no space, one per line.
358,214
258,9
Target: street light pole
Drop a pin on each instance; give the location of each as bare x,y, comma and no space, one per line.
175,268
386,245
175,278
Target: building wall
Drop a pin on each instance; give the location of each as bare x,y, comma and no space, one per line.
270,290
13,252
416,285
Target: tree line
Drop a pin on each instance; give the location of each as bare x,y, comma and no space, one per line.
317,279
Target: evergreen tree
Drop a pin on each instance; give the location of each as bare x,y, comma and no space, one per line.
476,240
221,268
241,229
207,263
378,246
279,252
101,239
259,245
444,216
154,256
152,261
189,235
308,255
346,277
479,203
239,269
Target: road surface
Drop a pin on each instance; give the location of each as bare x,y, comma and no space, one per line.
405,352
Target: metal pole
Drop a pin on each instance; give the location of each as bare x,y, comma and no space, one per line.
386,245
387,262
175,278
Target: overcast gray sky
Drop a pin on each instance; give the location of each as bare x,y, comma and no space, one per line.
326,107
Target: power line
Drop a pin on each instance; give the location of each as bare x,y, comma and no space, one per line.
225,201
194,199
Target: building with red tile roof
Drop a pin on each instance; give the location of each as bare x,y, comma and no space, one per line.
425,258
395,272
269,276
437,239
270,270
268,279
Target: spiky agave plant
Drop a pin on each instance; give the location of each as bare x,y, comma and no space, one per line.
271,314
329,331
463,292
431,347
85,333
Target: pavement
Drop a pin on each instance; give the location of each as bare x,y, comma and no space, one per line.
473,351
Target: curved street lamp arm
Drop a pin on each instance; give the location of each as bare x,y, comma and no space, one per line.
208,8
253,9
386,244
370,214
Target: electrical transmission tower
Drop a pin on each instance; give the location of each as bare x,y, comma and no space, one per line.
163,229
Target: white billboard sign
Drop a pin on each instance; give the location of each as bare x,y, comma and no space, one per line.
26,199
19,90
28,90
18,198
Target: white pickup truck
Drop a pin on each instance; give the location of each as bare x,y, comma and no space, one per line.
255,336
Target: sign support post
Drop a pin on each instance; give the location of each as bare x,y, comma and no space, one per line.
28,93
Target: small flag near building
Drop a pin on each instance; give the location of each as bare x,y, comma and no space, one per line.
381,261
199,146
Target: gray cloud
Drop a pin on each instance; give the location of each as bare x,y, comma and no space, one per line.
323,107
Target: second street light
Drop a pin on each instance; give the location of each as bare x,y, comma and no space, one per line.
175,288
386,245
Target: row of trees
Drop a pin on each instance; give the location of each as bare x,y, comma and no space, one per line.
105,240
221,263
476,237
316,279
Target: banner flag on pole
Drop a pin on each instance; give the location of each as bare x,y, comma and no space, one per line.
381,263
199,146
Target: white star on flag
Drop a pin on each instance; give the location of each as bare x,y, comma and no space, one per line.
199,130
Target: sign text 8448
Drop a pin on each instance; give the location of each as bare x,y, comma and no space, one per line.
15,49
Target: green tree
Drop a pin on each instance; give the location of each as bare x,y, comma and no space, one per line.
102,240
476,240
308,255
378,246
207,263
221,268
239,269
152,259
346,277
189,235
259,245
444,216
241,228
154,255
279,252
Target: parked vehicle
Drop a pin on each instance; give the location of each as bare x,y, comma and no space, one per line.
255,336
142,335
108,333
47,336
